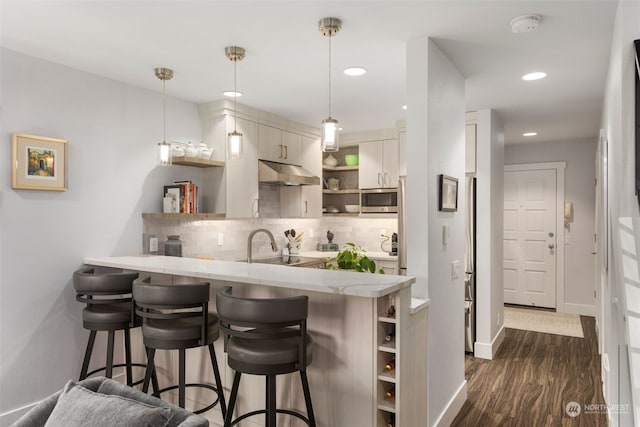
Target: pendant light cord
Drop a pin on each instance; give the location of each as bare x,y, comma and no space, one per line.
235,96
329,76
164,112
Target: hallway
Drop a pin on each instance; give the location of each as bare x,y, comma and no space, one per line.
533,378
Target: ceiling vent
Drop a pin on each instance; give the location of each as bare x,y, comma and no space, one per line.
525,23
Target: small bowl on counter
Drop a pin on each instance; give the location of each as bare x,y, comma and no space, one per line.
351,159
352,208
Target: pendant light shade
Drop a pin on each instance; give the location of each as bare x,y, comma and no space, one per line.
330,137
164,148
234,139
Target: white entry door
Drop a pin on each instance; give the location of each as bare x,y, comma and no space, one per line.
530,238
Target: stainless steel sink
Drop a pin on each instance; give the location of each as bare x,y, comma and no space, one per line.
292,261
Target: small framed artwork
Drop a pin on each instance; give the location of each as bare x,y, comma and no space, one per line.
38,162
448,197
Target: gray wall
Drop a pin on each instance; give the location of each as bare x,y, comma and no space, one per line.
618,125
112,131
436,145
489,229
579,189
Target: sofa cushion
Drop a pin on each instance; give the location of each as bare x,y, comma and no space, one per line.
79,407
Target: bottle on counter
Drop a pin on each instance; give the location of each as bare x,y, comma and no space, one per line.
390,365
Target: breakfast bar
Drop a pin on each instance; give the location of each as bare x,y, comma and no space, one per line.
369,362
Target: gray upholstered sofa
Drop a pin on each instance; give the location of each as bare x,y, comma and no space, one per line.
101,401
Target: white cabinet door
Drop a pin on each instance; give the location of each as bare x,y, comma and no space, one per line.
242,174
304,201
292,147
280,146
378,164
390,163
370,168
270,143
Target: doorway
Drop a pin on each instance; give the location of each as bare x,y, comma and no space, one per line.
533,242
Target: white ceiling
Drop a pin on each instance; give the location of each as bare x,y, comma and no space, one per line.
286,66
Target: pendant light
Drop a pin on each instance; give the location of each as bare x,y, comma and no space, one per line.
234,139
329,139
164,148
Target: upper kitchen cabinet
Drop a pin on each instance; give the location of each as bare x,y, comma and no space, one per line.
234,188
378,164
280,146
304,201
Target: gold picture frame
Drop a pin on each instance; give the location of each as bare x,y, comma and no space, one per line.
38,163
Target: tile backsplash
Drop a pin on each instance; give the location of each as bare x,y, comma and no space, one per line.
201,238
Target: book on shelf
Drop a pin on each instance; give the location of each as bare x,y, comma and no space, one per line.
186,194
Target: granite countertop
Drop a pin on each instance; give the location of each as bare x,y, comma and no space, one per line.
307,279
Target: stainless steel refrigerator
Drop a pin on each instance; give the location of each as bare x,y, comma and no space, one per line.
470,266
402,229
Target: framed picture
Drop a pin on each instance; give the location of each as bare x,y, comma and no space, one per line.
448,197
38,162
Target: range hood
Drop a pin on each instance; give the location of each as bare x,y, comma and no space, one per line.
283,174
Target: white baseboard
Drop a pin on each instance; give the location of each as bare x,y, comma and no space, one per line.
453,407
487,350
580,309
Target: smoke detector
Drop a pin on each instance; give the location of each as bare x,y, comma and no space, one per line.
525,23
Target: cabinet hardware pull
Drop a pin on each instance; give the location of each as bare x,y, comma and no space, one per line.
380,179
280,145
306,206
286,151
386,175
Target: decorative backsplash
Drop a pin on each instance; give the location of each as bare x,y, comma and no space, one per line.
200,238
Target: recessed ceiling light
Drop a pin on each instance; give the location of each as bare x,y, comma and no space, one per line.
534,76
355,71
232,94
530,134
404,107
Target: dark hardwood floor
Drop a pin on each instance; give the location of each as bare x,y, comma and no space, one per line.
532,379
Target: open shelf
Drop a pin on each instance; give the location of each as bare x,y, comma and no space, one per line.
339,168
183,216
197,162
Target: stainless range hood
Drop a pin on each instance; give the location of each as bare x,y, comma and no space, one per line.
283,174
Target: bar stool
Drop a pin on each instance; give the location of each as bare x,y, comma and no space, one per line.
177,318
108,308
266,337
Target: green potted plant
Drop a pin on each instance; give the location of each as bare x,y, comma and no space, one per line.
352,257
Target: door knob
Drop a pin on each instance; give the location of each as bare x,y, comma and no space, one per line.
551,246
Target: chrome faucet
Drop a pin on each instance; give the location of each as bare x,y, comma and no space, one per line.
274,246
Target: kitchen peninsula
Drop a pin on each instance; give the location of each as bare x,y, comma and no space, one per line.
365,349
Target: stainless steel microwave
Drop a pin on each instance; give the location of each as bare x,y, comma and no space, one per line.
379,200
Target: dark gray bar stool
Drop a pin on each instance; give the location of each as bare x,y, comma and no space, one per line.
177,318
108,308
275,343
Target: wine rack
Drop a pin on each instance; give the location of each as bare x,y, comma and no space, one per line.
387,365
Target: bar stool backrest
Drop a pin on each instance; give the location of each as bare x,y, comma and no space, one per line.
171,302
264,318
109,288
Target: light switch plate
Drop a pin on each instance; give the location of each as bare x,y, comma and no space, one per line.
220,239
455,270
